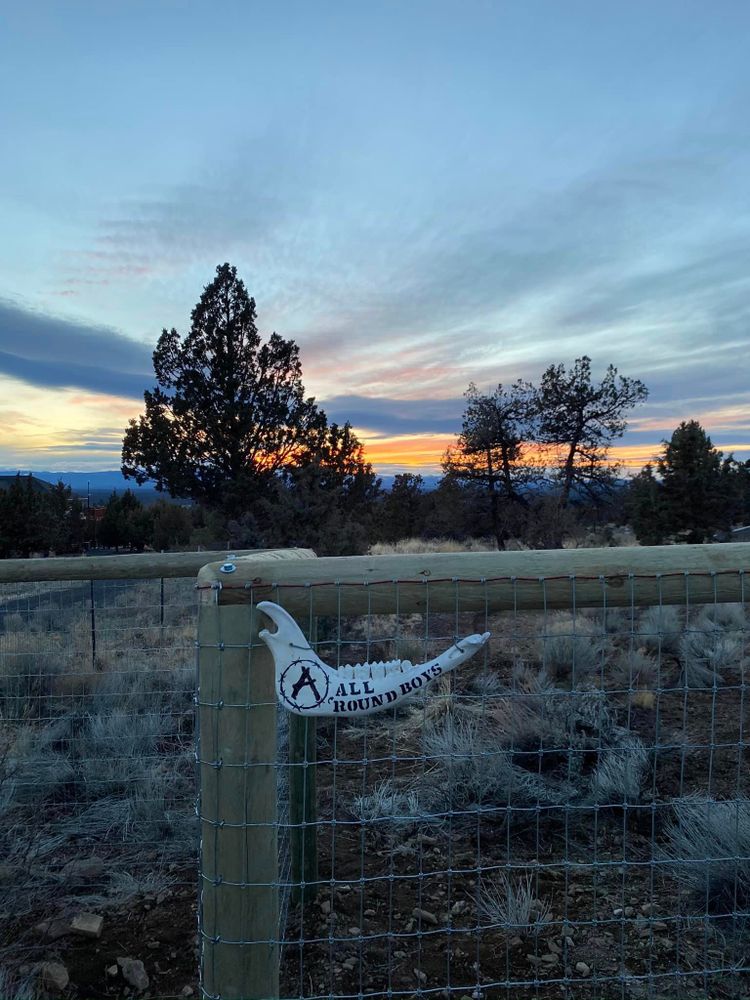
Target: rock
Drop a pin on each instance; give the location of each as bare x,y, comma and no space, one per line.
54,976
325,906
112,970
618,912
629,911
355,931
425,916
349,963
187,991
398,955
421,976
87,925
53,929
133,972
549,958
659,925
369,913
647,909
582,969
533,960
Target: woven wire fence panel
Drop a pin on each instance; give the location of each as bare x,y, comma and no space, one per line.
565,815
97,786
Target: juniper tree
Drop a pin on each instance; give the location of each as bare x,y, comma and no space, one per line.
695,479
644,507
228,409
492,450
578,421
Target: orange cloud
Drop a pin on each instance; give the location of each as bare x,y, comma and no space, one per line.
417,451
424,452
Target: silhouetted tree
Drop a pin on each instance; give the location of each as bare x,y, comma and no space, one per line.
325,501
401,510
644,507
228,409
694,479
492,450
578,421
171,525
21,519
125,523
63,517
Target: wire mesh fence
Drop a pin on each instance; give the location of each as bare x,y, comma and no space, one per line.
565,815
97,787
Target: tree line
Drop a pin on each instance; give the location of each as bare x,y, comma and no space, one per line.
229,428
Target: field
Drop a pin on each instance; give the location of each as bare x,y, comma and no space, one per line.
537,824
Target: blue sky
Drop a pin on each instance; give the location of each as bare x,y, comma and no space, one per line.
420,193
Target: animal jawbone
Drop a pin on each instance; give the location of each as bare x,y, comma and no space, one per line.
307,686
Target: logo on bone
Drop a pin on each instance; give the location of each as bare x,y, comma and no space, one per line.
304,685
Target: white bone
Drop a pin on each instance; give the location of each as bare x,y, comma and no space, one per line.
307,686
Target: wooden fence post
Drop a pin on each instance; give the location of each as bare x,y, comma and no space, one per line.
238,800
239,892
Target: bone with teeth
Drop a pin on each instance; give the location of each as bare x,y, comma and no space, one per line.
307,686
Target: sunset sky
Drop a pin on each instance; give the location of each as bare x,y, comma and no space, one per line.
422,193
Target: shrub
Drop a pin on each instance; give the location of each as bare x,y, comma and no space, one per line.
708,844
706,647
387,806
728,616
573,649
466,767
634,669
553,749
612,621
27,680
14,986
659,628
512,906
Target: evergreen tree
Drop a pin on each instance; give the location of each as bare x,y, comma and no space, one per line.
694,480
171,525
492,449
401,511
578,421
228,410
63,519
125,523
325,501
644,507
22,520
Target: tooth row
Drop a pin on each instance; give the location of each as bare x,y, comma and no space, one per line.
379,669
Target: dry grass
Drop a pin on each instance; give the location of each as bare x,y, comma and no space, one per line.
415,546
96,748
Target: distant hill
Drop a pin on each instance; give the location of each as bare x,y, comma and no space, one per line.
38,484
430,482
97,485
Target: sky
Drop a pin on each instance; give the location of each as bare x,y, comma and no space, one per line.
421,193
